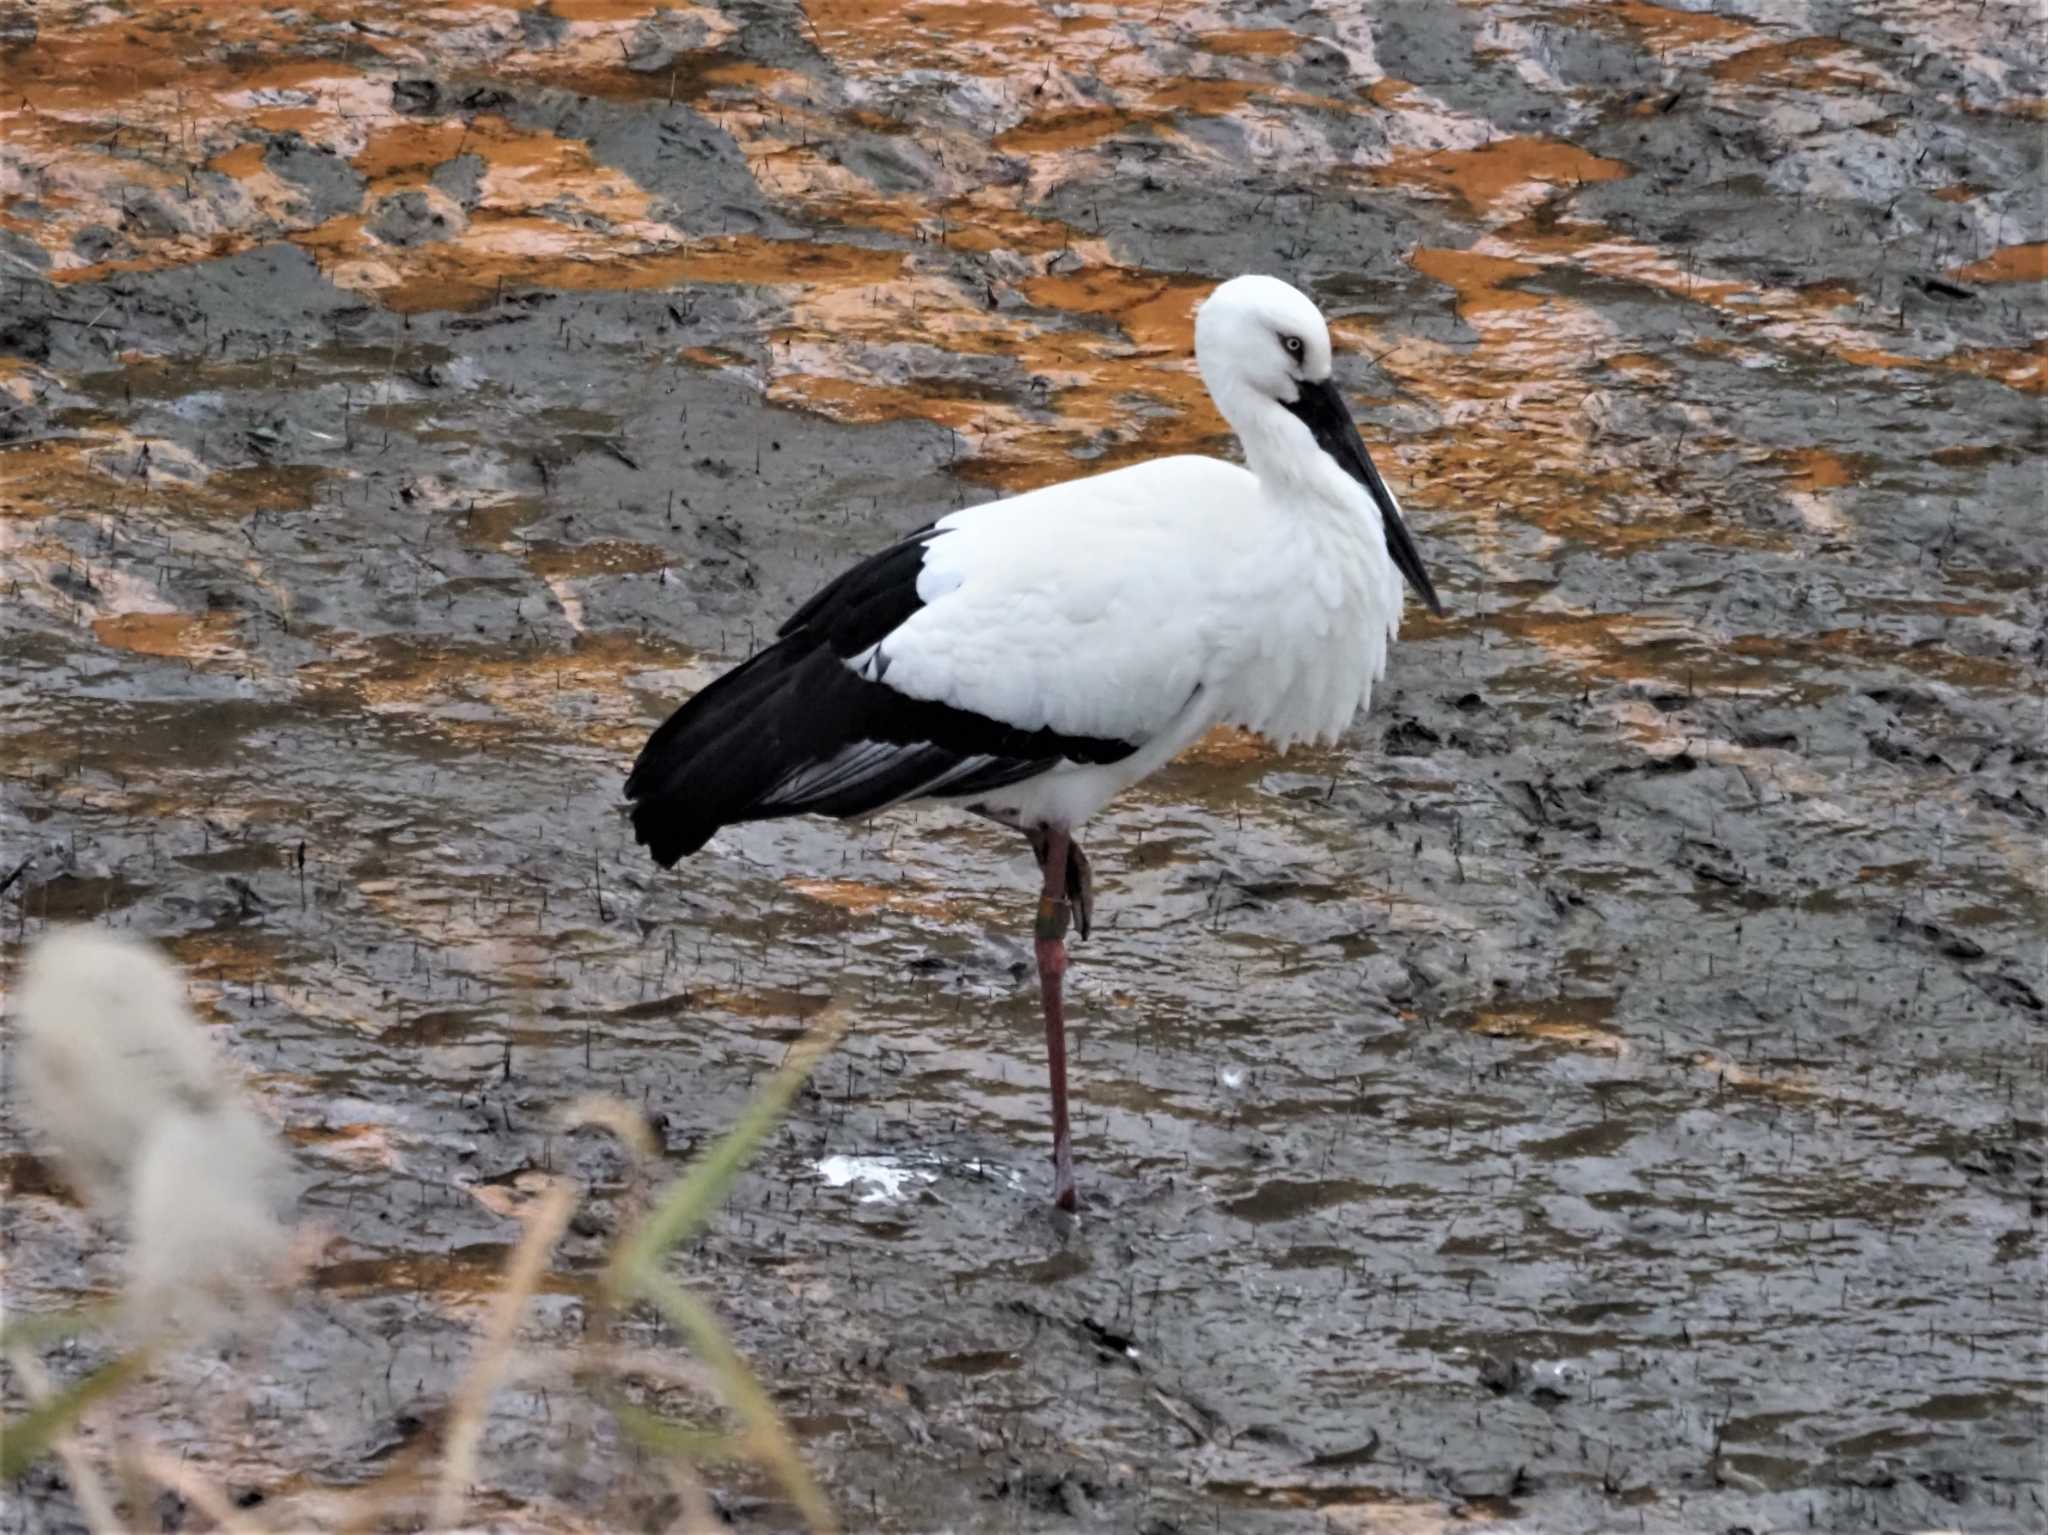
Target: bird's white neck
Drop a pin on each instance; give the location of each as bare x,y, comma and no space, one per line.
1282,452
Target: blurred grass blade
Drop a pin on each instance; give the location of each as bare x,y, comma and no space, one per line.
665,1436
692,1197
766,1437
182,1479
636,1271
49,1327
523,1272
22,1440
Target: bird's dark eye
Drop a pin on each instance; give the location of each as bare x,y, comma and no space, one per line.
1293,345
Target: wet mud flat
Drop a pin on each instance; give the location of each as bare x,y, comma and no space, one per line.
1604,1093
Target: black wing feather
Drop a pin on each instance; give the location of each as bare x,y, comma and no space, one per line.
794,729
867,603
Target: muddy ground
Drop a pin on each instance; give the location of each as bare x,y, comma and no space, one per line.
1606,1093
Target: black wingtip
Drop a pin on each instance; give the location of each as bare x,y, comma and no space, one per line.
668,836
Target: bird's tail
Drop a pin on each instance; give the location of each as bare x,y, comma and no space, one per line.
706,766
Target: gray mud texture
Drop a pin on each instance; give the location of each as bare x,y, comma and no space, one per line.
1606,1093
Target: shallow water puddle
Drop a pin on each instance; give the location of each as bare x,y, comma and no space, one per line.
878,1181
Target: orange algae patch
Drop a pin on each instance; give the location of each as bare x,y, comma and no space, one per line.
1201,95
1818,469
1484,177
1479,281
2026,371
1156,311
1597,249
1876,357
715,357
103,470
1617,647
931,34
179,636
1664,27
743,75
85,68
1640,365
241,162
605,10
1116,390
114,112
1825,652
1229,745
2012,263
1071,127
410,149
457,1280
2023,369
1068,129
359,1145
1804,63
1250,42
1825,295
582,693
239,957
976,224
122,108
1733,1073
861,898
1967,453
1580,1022
1099,381
863,400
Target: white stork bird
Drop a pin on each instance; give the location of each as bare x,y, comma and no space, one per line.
1029,659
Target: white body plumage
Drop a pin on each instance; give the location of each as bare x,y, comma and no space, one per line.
1149,604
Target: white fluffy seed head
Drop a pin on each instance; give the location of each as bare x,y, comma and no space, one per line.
206,1243
108,1047
146,1120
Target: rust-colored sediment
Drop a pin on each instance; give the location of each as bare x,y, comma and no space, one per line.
1818,469
1481,282
581,693
1230,744
2011,263
1669,28
862,899
1485,177
184,636
1250,42
1582,1023
1818,64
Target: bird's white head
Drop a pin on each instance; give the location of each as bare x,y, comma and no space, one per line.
1264,352
1259,334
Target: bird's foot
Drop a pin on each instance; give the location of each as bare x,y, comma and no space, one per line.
1064,1195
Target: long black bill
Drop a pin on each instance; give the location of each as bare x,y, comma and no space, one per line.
1322,410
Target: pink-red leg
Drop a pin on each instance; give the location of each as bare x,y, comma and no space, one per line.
1051,933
